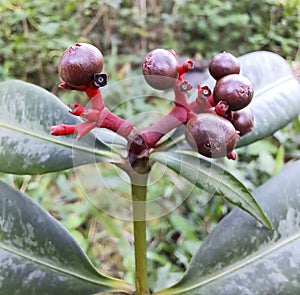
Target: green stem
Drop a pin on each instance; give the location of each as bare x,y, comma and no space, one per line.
139,192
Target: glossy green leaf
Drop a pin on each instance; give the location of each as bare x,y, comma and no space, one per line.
277,94
38,255
242,257
213,179
26,146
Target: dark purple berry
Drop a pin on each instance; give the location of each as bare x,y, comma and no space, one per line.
243,121
79,63
224,64
235,89
160,69
211,135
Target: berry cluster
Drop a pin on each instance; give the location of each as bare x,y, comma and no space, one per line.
214,121
216,136
232,92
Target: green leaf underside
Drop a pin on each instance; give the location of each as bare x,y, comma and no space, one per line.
39,256
240,257
213,179
26,146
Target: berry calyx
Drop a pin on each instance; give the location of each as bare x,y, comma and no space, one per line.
211,135
235,89
223,64
79,63
160,69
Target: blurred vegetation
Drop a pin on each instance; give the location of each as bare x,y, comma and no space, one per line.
33,35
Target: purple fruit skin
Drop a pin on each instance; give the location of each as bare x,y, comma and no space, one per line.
211,135
223,64
160,69
243,121
235,89
78,64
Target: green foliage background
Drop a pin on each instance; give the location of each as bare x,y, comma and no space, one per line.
33,35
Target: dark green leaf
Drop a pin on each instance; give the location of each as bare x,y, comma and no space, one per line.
213,179
26,146
241,257
38,256
277,94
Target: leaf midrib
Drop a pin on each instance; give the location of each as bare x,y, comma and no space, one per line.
191,167
273,84
237,266
50,266
100,153
259,212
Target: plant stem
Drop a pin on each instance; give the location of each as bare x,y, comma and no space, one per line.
153,133
139,191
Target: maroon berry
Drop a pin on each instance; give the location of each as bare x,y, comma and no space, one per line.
243,121
160,69
211,135
235,89
79,63
224,64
